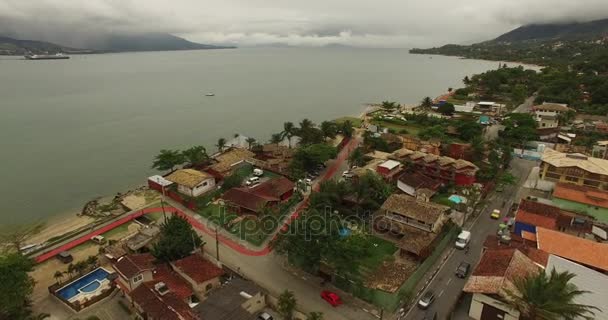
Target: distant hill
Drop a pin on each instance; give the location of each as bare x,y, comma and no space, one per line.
11,46
146,42
542,44
550,32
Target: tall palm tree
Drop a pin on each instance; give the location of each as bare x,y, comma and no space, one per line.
550,296
58,276
426,103
306,124
221,144
250,141
289,130
276,138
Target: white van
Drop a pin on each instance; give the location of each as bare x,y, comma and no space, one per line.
253,181
258,172
463,239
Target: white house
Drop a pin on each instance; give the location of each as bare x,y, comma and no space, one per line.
192,182
547,114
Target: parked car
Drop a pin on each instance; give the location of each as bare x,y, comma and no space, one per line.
331,298
253,181
463,269
463,239
264,316
347,174
308,181
495,214
65,257
98,239
426,300
258,172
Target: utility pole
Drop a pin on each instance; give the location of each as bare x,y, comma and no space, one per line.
162,202
217,244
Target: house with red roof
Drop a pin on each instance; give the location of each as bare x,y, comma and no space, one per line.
582,199
252,200
532,214
496,272
200,273
159,290
582,251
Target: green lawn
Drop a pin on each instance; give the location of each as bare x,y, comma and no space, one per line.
118,230
379,251
442,198
355,121
412,129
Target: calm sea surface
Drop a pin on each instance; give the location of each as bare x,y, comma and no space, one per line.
72,130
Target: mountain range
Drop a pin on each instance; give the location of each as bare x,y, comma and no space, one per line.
551,32
105,43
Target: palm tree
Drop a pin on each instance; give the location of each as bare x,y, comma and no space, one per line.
466,80
289,130
58,276
550,296
306,125
276,138
315,316
329,129
426,103
92,261
71,269
250,141
387,105
221,144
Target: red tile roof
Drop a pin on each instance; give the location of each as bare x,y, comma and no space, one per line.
583,251
175,283
536,220
167,307
131,265
198,268
498,269
244,198
581,194
539,208
274,188
417,181
526,246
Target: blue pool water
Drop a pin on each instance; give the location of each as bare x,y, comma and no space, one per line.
87,283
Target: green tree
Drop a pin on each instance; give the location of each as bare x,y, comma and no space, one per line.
16,286
549,296
519,128
329,128
92,261
344,253
195,155
507,179
287,304
250,141
357,158
276,138
446,109
177,240
289,130
221,144
466,81
168,160
315,316
387,105
434,132
347,128
309,157
58,276
426,103
468,129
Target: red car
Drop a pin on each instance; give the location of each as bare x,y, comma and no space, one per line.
331,297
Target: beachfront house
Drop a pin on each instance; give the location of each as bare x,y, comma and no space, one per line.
252,200
192,182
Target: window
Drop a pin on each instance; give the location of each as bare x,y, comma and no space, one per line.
205,183
543,124
208,287
138,278
571,179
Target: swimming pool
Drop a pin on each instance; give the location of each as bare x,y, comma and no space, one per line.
86,284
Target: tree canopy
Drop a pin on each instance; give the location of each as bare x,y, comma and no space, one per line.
287,304
309,157
195,155
177,240
16,286
168,160
446,109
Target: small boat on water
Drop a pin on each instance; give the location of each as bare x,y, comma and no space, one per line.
210,94
58,56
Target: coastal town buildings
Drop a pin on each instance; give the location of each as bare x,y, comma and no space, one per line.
458,171
574,168
582,199
417,185
547,115
582,251
192,182
252,200
413,225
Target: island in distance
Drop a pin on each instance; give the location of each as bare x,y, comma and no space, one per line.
105,43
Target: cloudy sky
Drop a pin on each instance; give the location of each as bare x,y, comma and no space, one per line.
368,23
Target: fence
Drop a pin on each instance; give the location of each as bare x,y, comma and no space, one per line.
390,301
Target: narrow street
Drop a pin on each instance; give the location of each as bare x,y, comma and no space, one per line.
446,286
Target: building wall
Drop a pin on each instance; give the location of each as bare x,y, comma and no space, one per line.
147,276
547,123
406,188
573,175
477,304
203,187
256,304
200,288
599,213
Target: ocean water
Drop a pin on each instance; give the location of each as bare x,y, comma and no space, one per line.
72,130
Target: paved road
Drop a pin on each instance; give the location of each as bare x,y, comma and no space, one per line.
446,286
526,106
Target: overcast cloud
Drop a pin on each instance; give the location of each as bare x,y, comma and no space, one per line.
369,23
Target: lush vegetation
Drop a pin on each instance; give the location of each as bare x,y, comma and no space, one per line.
286,304
309,157
549,296
177,240
16,286
170,159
